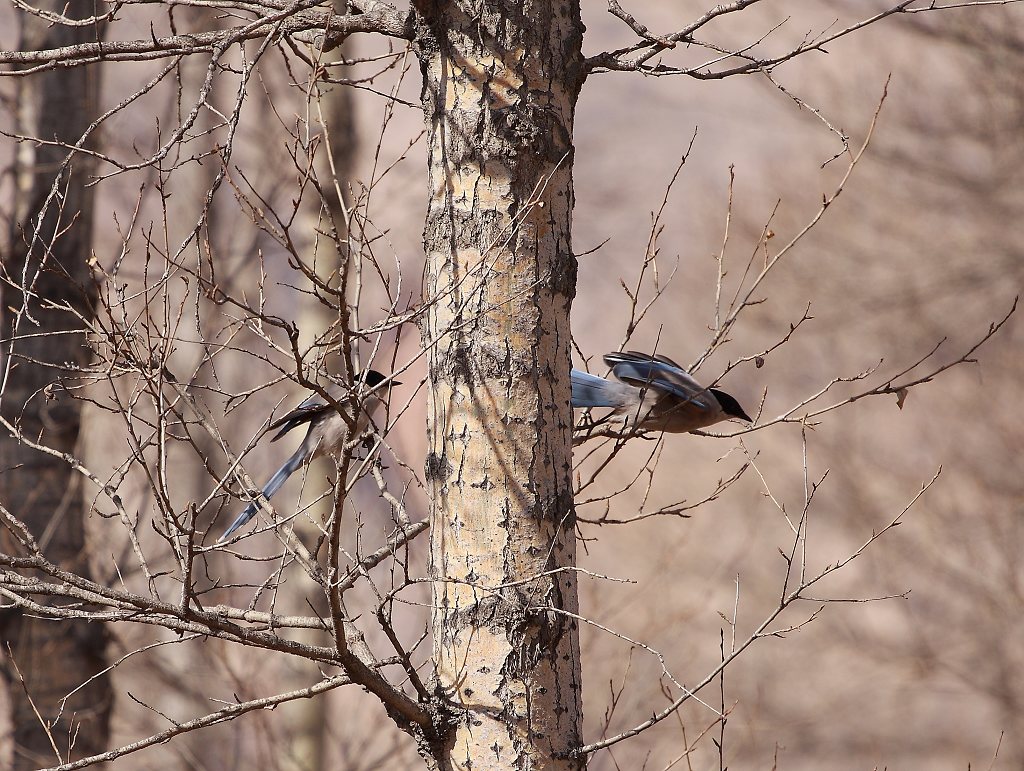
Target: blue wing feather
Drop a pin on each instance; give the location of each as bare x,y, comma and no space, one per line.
661,373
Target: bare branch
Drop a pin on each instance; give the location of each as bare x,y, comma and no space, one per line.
301,20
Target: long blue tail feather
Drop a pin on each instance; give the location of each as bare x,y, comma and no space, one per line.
291,465
592,391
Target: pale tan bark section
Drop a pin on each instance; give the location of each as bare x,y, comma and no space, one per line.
501,89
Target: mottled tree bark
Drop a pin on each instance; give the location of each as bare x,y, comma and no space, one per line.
50,255
501,82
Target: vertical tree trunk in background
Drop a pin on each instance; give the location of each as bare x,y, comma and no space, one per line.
501,82
54,658
308,717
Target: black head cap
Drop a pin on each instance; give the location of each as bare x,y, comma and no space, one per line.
729,405
373,378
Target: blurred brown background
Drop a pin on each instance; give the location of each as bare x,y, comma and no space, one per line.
924,244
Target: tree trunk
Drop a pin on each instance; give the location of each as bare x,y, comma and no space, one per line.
40,489
501,82
308,717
